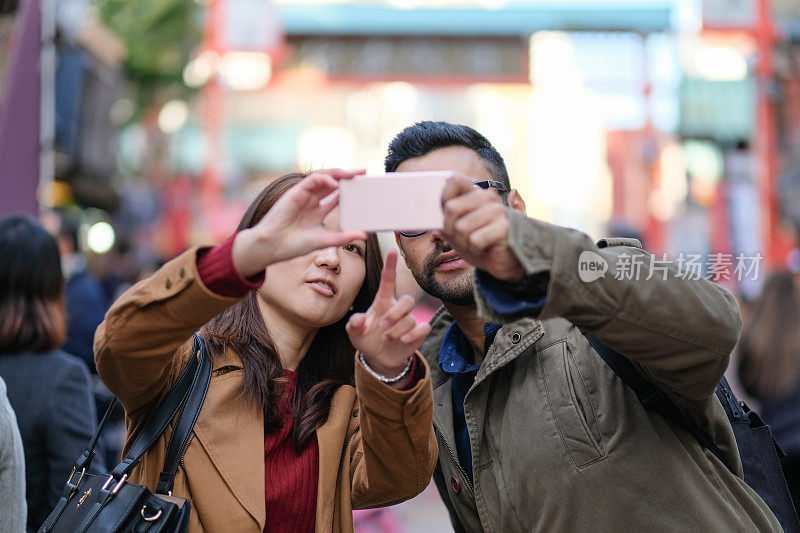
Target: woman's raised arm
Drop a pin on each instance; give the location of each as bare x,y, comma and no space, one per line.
142,344
293,227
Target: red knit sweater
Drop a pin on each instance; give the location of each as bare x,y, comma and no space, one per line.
291,477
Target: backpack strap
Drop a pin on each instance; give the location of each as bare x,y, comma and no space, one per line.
653,398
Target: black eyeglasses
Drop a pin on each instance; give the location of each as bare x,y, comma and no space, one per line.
483,184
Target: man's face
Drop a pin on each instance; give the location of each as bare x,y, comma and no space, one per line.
435,266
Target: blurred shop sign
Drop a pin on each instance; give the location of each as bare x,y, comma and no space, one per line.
257,148
495,59
487,18
720,110
730,14
251,25
611,65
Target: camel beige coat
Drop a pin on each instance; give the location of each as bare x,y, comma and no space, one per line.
377,447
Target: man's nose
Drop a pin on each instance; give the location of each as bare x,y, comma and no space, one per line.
437,236
328,257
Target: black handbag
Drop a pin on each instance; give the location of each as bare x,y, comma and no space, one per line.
108,503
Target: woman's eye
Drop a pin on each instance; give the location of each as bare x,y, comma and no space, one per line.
354,248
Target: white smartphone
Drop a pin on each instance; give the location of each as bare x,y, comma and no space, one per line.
396,201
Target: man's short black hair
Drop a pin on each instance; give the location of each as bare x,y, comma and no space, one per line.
424,137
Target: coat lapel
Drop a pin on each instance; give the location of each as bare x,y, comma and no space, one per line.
232,434
330,438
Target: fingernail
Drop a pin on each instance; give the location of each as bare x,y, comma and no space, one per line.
405,338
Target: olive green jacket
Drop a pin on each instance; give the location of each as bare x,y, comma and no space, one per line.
559,442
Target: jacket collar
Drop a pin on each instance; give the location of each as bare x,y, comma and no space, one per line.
331,436
512,339
440,324
503,350
240,460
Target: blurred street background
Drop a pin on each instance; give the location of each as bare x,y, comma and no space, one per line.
152,123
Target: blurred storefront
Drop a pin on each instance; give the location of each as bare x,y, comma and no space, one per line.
614,116
348,76
732,105
787,65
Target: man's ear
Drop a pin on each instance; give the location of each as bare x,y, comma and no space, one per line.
400,247
515,200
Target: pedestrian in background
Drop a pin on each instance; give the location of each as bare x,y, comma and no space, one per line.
84,295
12,469
86,303
769,366
48,388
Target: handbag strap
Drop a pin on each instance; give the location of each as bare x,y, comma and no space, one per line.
653,398
183,426
199,362
192,402
86,458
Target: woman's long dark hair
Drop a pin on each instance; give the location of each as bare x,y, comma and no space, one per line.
329,362
769,348
32,315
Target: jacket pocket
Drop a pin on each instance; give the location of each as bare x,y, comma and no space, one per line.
571,405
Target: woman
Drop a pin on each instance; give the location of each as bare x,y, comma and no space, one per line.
12,469
49,389
283,442
769,366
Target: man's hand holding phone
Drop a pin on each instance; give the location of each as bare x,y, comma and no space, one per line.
476,226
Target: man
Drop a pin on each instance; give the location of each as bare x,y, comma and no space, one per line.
535,431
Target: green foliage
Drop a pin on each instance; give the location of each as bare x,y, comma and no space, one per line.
160,35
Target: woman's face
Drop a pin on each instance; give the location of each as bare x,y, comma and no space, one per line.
316,289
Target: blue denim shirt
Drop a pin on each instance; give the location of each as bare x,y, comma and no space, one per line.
456,351
453,360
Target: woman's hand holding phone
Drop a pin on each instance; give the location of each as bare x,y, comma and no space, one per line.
293,227
387,335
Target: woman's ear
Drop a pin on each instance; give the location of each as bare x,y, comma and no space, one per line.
515,200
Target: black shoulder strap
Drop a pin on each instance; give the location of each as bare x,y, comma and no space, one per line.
167,410
86,458
155,425
194,377
185,423
653,398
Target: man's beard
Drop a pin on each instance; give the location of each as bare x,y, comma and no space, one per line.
456,292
